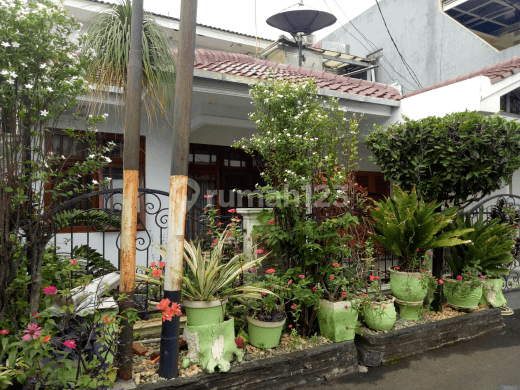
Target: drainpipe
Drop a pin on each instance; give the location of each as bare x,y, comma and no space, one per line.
130,185
169,361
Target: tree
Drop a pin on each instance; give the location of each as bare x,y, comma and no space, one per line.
40,76
108,39
455,160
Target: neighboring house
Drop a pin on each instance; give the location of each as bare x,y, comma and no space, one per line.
440,40
220,108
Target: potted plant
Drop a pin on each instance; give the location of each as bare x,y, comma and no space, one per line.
477,266
207,283
410,229
378,310
266,316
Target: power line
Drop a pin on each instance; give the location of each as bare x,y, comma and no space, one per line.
372,45
410,70
413,84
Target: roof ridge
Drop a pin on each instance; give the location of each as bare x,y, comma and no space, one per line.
495,72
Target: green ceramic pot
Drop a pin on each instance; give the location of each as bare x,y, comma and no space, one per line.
492,293
264,334
380,315
338,320
461,299
200,313
409,292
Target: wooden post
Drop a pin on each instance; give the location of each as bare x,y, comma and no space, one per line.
130,185
168,367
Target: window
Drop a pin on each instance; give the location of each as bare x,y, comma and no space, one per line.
61,144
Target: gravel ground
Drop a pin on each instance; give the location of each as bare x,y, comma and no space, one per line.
147,370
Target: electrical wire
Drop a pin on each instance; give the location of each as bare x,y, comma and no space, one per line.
410,70
372,48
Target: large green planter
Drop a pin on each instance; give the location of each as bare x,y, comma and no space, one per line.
200,313
492,293
409,292
379,318
338,320
459,298
264,334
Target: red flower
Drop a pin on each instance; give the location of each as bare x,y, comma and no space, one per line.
170,312
161,264
441,282
239,341
417,250
335,264
70,344
252,269
50,290
153,264
289,282
397,267
220,223
459,277
295,306
248,238
46,339
259,251
482,276
4,331
271,221
163,304
256,235
314,288
290,326
344,294
74,261
364,294
377,277
270,271
331,277
156,273
108,319
232,210
301,276
384,307
215,241
372,277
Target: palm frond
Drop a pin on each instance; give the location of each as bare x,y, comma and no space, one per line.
108,38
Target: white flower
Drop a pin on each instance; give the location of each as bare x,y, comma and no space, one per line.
44,112
108,159
10,81
95,182
28,86
4,72
50,89
13,75
16,44
108,178
42,66
92,156
63,157
5,44
105,115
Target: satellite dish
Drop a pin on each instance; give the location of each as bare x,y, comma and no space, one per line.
301,21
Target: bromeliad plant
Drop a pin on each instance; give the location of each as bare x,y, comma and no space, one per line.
410,228
213,277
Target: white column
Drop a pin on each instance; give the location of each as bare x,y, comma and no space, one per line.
249,220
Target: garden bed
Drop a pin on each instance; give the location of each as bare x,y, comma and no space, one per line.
316,361
388,347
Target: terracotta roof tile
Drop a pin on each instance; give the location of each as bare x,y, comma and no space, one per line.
495,73
247,66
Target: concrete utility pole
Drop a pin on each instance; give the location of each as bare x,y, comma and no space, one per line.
130,184
168,367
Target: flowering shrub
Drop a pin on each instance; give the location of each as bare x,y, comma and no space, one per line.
308,152
56,347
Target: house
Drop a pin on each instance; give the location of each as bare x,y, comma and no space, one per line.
438,39
224,70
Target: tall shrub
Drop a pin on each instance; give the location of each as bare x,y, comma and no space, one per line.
308,154
41,73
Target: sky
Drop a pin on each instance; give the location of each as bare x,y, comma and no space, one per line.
239,15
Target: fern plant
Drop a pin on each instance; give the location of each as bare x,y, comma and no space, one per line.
487,246
410,228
